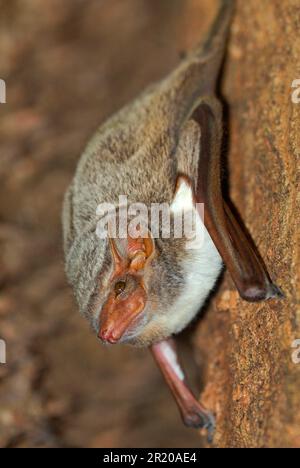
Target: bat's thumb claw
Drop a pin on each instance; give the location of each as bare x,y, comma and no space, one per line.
275,292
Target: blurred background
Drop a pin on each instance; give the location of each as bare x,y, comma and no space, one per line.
68,65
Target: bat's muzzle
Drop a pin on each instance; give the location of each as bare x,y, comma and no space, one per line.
119,315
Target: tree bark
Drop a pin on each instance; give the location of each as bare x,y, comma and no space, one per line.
246,350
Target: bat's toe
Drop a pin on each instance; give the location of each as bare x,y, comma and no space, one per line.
199,419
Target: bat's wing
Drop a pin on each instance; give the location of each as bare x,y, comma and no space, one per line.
190,94
197,74
229,236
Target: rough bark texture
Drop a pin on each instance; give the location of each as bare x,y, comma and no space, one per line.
251,380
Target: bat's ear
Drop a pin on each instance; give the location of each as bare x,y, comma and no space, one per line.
118,255
140,251
131,254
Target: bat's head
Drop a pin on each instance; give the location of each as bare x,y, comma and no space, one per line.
141,290
135,295
124,308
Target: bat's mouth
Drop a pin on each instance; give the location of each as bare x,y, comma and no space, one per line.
123,331
120,318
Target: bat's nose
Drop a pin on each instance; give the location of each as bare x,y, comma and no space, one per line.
107,336
119,316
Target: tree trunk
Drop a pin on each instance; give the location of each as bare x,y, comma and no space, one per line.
251,380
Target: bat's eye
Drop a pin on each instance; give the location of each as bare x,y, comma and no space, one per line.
120,287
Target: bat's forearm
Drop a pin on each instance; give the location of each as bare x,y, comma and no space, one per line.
228,234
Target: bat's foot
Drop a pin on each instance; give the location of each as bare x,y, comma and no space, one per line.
199,418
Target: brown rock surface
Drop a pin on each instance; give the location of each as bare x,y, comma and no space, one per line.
251,379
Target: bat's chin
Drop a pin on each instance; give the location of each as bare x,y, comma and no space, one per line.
141,333
145,334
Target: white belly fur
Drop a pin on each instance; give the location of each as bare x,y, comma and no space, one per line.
202,270
202,266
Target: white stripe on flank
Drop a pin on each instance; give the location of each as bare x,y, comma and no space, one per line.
171,357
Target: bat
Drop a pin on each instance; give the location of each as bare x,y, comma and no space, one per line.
164,148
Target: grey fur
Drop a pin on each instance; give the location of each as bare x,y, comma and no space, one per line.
139,152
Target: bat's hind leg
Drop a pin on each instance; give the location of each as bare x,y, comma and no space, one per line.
193,413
